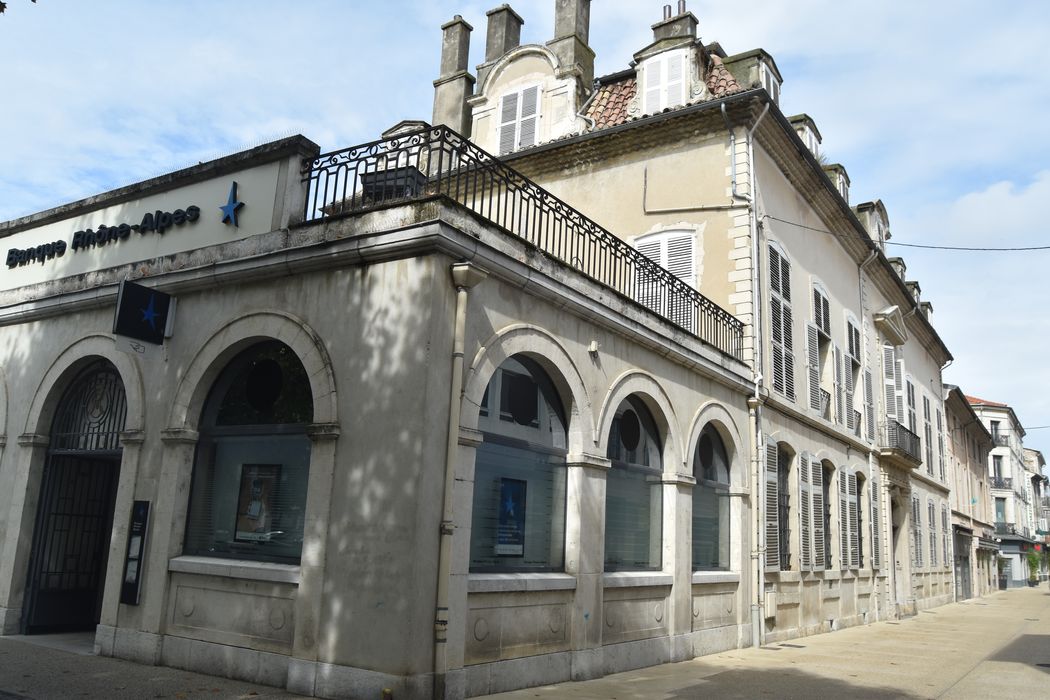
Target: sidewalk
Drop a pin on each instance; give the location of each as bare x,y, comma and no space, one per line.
61,667
993,647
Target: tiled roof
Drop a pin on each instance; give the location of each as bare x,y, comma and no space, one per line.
615,94
609,106
974,401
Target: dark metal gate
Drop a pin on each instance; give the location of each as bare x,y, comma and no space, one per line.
75,512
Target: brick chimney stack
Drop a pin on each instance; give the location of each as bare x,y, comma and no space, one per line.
679,26
455,85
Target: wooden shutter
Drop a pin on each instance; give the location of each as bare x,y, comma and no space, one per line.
847,376
508,123
775,282
679,259
916,525
772,503
674,88
805,514
945,538
818,310
854,524
869,403
816,482
813,366
932,511
826,316
654,80
530,115
776,322
876,539
843,520
648,289
940,444
789,355
840,409
889,381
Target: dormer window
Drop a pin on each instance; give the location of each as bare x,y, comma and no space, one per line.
664,78
519,115
770,83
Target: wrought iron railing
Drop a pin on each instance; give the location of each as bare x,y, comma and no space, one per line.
437,161
1002,482
895,436
1001,440
1005,528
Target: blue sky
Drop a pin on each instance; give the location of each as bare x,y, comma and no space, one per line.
938,108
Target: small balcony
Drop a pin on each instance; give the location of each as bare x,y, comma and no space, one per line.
900,446
1001,440
1006,529
1002,482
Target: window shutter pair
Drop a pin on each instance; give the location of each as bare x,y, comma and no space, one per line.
822,313
876,539
945,535
916,530
932,510
519,118
816,478
780,321
913,423
854,524
772,503
890,382
853,341
665,81
673,251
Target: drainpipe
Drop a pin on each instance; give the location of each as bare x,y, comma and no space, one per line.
464,276
754,402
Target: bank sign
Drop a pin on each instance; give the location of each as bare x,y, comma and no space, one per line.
156,222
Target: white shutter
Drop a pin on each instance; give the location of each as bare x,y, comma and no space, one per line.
876,539
647,287
674,88
869,403
679,258
843,520
789,354
530,114
847,372
932,510
940,444
816,479
889,380
813,366
805,515
776,322
774,271
854,524
508,123
772,503
916,525
654,81
840,411
945,539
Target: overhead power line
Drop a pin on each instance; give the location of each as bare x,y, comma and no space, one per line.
915,245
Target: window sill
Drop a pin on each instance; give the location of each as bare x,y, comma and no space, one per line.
636,579
513,583
701,577
236,568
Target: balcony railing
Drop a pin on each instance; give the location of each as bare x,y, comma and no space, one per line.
1001,440
1006,529
437,161
1002,482
896,437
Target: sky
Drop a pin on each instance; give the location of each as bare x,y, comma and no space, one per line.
937,108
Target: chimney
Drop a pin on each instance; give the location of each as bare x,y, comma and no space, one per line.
504,32
681,25
915,289
898,266
927,310
455,85
572,20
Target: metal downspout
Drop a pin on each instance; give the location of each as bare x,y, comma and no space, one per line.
464,276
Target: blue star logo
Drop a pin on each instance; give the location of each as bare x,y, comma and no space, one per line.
149,314
508,506
229,210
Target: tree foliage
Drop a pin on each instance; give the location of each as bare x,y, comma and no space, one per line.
3,6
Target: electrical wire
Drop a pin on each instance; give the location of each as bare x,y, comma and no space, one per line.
912,245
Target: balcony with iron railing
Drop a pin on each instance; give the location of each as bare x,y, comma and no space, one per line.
437,162
1001,440
1002,528
899,445
1002,482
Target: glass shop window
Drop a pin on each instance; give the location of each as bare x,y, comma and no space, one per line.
711,503
633,495
518,519
248,497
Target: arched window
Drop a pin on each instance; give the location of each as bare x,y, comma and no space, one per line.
248,499
711,503
633,499
518,520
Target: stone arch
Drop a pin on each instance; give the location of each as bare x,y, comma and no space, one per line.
513,55
649,390
542,347
235,336
715,413
64,369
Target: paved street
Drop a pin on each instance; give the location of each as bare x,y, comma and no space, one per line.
996,647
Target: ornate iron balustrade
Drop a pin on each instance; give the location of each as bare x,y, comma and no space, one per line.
438,161
1006,529
897,437
1002,482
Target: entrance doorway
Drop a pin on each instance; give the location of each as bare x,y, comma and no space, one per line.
67,566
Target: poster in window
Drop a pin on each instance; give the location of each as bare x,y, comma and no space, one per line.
510,525
255,506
